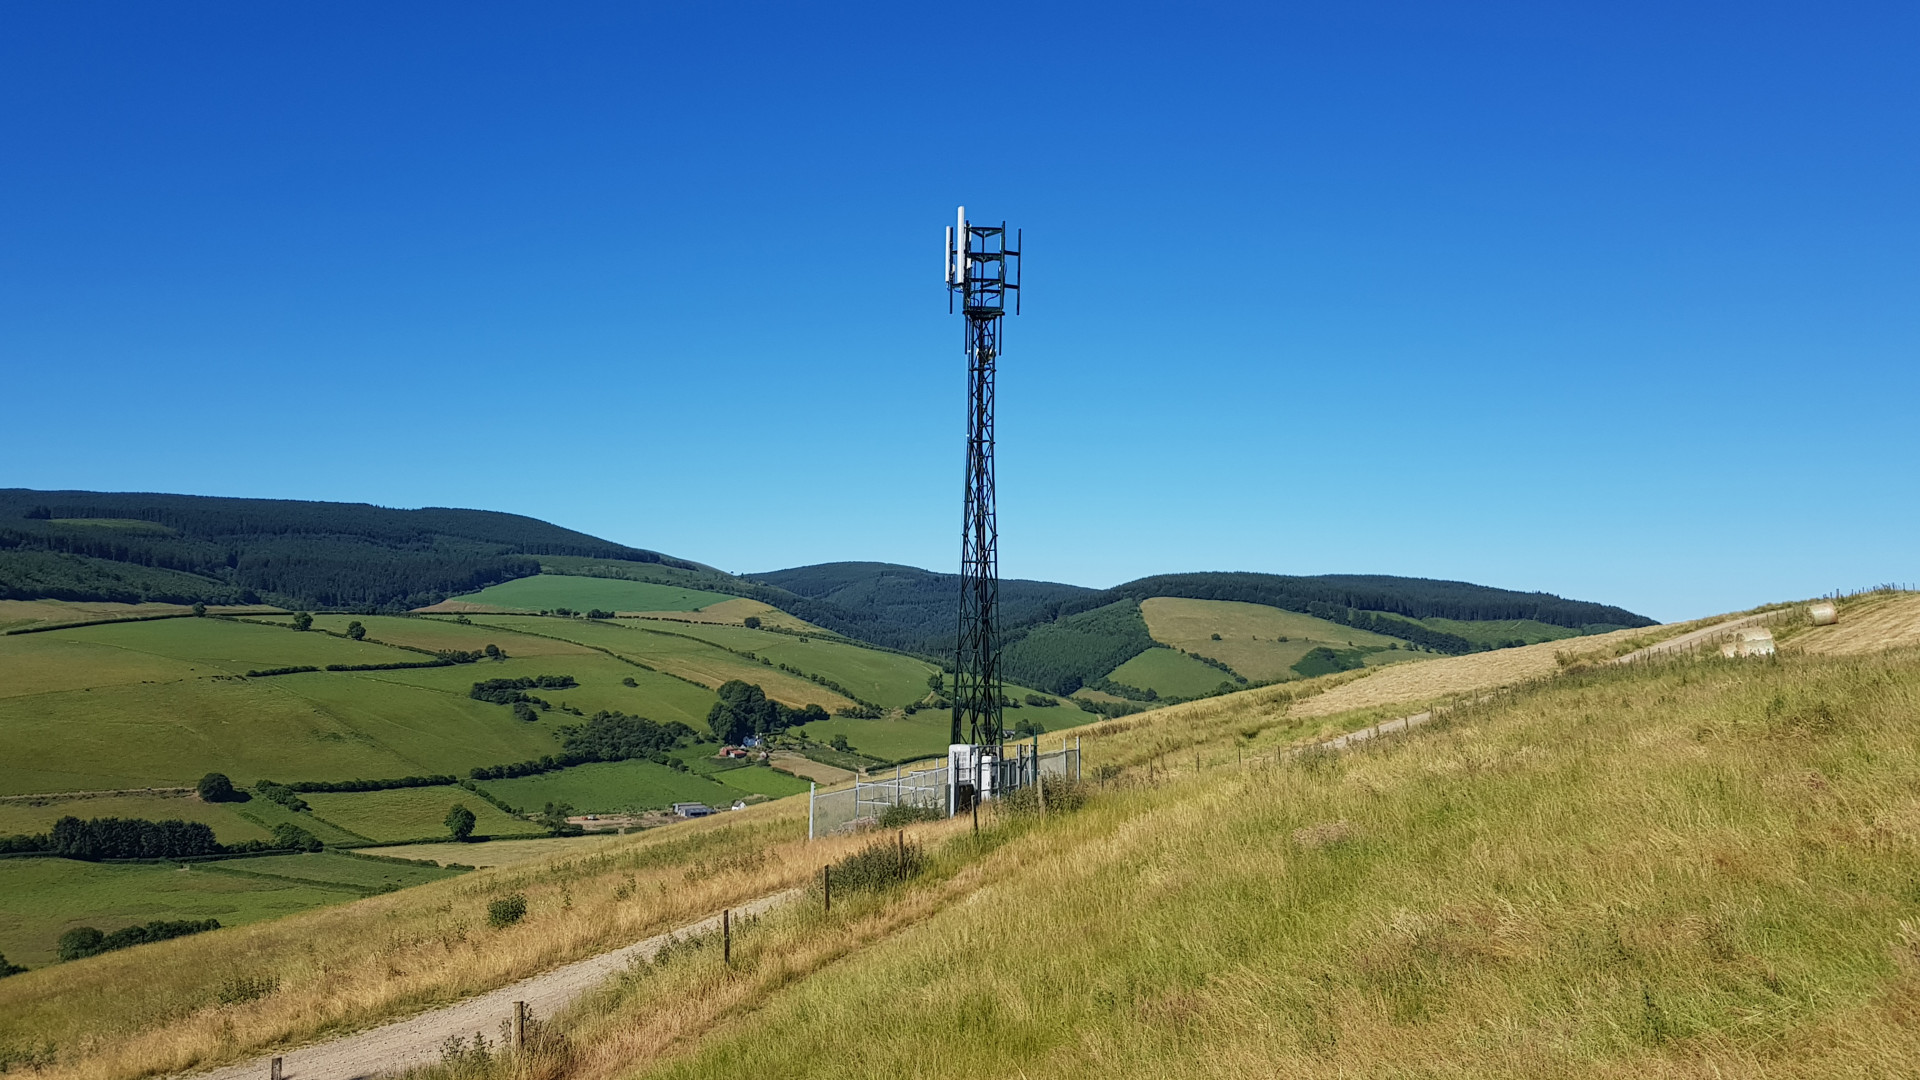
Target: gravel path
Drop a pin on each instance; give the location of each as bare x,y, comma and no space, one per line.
418,1039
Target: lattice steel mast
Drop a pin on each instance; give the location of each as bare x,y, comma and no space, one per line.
981,272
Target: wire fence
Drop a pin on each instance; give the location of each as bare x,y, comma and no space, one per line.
863,804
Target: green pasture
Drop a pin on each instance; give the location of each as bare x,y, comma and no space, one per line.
545,592
612,786
881,677
675,652
925,733
748,779
333,868
226,646
1250,634
411,813
443,634
1170,674
656,696
1497,632
41,898
229,826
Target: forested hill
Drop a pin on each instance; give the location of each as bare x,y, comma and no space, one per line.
1414,598
131,547
905,607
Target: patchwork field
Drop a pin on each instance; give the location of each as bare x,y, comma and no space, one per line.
612,787
546,592
40,899
1250,635
1170,674
411,813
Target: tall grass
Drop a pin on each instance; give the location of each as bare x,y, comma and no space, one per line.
1698,868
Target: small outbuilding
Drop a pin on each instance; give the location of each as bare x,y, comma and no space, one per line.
691,809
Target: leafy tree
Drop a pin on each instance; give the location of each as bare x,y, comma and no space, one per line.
79,942
355,630
288,835
554,820
199,610
493,651
302,621
7,969
628,681
215,787
460,821
751,622
937,682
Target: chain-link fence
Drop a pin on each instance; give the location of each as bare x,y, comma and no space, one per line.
931,789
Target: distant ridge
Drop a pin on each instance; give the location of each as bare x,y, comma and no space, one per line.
141,546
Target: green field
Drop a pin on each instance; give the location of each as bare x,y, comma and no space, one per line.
334,868
612,786
748,779
1502,631
546,592
1170,673
42,898
411,813
881,677
1250,634
677,652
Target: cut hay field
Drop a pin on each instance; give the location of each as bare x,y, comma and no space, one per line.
411,813
547,592
1170,673
1250,634
884,678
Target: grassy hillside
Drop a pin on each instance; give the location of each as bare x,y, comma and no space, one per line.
1690,868
1170,673
545,592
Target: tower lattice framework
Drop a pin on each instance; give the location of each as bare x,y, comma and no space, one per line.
982,272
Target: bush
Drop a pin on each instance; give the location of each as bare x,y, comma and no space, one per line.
908,814
216,787
7,969
507,910
1041,701
302,621
84,941
281,794
355,630
751,622
288,835
879,865
1063,795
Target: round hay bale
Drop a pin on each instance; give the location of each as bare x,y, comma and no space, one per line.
1824,613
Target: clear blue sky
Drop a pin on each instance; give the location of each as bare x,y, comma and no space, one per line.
1620,302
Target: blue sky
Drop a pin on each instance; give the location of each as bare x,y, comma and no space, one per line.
1614,301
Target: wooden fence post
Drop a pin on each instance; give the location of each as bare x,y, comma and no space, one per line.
726,936
826,888
274,1070
519,1027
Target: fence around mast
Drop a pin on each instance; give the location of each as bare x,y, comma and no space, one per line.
862,804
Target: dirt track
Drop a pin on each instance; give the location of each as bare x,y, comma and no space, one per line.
418,1039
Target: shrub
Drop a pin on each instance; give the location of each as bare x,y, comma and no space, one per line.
216,787
7,969
84,941
302,621
281,794
507,910
288,835
751,622
241,989
79,942
880,864
907,814
355,630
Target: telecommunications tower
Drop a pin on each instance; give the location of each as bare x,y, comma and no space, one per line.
982,272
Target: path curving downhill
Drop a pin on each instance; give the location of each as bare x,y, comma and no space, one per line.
417,1040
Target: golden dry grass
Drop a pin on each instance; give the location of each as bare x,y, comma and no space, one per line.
1868,623
157,1009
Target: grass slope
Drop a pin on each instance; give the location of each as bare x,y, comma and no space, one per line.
1250,634
1170,674
1689,871
544,592
411,813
